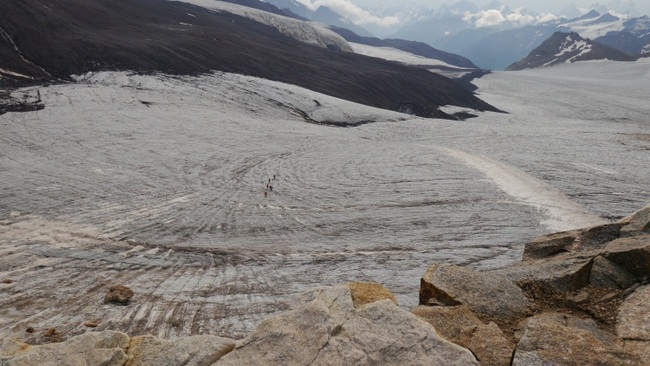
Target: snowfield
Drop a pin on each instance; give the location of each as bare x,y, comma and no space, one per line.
588,28
158,182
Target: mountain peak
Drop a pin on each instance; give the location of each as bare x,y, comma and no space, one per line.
592,14
564,47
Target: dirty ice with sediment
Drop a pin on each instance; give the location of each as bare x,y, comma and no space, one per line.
157,182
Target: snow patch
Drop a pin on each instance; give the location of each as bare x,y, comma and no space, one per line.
393,54
308,32
12,73
587,29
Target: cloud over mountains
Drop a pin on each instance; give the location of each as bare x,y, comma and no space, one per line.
495,17
352,12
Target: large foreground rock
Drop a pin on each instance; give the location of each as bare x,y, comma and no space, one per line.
587,270
103,348
568,273
633,321
489,295
202,350
638,221
561,339
460,325
110,348
589,289
326,329
631,253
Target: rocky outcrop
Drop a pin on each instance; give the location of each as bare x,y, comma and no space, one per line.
637,222
489,295
461,326
586,290
325,328
568,47
105,348
579,297
633,321
110,348
189,351
561,339
118,294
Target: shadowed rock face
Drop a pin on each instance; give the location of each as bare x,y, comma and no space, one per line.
55,39
490,296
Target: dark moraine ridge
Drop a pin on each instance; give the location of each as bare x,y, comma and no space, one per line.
60,38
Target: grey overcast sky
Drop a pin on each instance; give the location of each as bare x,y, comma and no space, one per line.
547,6
361,11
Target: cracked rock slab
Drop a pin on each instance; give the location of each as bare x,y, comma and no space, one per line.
106,348
459,325
561,339
200,350
631,253
636,222
489,295
633,320
606,274
561,273
328,330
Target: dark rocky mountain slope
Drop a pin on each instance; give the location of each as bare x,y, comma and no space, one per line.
568,47
633,39
414,47
49,39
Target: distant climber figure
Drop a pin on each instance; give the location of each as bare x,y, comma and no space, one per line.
266,193
269,180
273,176
271,188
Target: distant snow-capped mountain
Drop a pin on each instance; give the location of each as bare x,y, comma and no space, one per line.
566,48
497,47
633,38
494,37
621,32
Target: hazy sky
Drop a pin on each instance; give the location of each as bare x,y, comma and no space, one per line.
360,11
549,6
